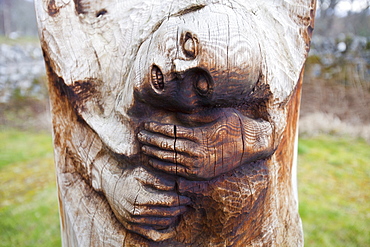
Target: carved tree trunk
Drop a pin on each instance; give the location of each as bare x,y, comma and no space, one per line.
175,122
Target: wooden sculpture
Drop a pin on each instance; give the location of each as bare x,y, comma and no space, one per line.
175,122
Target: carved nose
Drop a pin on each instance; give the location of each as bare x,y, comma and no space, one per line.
202,82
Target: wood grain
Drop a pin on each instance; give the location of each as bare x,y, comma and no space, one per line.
175,123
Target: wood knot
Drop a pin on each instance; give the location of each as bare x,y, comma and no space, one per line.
157,78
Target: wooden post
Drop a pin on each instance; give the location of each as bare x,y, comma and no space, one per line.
175,123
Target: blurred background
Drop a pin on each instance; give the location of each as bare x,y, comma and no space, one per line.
334,144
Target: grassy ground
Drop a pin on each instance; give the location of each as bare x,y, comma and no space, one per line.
334,180
28,202
334,176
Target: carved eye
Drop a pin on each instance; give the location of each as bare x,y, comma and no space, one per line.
190,45
101,13
157,78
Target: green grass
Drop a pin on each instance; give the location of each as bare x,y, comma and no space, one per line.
19,146
34,222
28,201
334,179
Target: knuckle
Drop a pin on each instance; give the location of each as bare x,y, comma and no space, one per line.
165,145
168,129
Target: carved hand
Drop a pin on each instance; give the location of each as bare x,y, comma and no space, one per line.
145,203
205,152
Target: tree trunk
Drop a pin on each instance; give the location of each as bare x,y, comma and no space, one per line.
175,123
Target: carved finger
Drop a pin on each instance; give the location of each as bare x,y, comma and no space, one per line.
159,153
150,232
154,139
168,143
154,181
169,156
165,129
171,168
188,147
151,211
168,199
172,130
158,222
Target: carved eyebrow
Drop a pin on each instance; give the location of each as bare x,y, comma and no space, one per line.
190,9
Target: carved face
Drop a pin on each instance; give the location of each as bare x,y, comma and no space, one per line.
187,64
